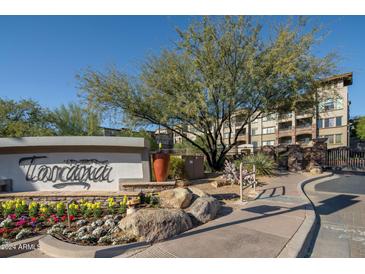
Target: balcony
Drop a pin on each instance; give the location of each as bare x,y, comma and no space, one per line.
285,128
285,140
285,116
304,139
304,125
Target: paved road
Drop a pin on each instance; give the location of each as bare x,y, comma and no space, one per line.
340,204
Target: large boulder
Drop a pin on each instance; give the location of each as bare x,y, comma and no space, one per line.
204,209
153,225
175,198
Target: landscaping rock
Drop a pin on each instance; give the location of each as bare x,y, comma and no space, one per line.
123,238
155,224
25,232
175,198
198,192
99,232
81,222
204,209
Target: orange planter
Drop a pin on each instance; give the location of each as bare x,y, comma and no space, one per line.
161,166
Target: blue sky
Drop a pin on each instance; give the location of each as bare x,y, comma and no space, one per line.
40,55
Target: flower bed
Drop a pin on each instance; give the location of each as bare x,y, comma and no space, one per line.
83,222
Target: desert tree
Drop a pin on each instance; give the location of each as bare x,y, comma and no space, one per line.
219,67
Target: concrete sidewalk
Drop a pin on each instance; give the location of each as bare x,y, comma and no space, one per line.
260,228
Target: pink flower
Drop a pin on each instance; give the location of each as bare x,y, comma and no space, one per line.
12,216
21,222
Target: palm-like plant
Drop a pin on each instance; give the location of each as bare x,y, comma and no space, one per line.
263,163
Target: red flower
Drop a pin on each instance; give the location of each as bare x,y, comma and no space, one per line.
63,218
33,219
4,230
72,217
54,218
12,216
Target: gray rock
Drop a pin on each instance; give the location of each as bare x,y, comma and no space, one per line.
81,222
97,223
175,198
123,238
109,224
99,232
198,192
204,209
25,232
155,224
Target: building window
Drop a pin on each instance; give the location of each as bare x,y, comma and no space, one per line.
268,143
333,139
254,131
254,144
338,121
330,122
226,135
268,130
338,138
331,104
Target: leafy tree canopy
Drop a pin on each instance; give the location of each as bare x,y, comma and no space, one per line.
24,118
75,120
220,66
360,128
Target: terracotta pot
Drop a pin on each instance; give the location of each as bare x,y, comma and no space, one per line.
161,166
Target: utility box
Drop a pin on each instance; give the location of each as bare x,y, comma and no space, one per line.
194,166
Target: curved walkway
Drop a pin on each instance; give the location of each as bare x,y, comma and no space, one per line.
261,228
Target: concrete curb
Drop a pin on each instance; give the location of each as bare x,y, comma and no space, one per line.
298,245
59,249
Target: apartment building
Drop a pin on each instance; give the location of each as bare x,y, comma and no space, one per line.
330,119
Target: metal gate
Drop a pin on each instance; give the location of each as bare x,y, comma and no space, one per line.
346,158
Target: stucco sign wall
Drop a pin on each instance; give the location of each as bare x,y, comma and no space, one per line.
98,164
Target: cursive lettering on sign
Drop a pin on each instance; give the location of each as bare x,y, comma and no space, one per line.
81,171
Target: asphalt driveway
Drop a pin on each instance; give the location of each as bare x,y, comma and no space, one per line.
340,205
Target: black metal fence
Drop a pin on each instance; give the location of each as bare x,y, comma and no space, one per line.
346,158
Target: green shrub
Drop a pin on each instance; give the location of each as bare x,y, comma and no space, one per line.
263,163
176,168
